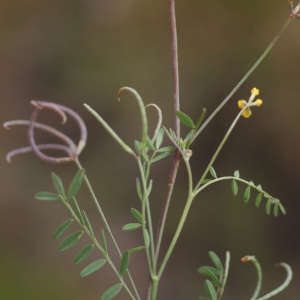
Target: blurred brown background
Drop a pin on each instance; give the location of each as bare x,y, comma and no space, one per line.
75,52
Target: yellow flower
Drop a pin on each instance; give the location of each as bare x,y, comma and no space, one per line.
258,102
255,91
243,103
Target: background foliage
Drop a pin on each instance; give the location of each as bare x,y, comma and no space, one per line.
71,52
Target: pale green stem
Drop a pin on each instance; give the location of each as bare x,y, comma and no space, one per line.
110,130
146,210
176,235
225,275
181,222
243,79
142,112
105,223
159,122
219,148
284,285
259,277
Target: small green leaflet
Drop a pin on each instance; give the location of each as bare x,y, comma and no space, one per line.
185,119
124,262
166,149
58,184
137,215
210,290
77,211
213,172
282,208
159,138
247,194
237,174
83,253
149,143
160,156
76,183
268,206
103,239
138,188
112,292
276,205
258,199
62,228
46,196
70,241
234,187
87,223
131,226
211,274
146,238
133,250
216,261
94,266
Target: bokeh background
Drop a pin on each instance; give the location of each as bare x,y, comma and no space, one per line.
74,52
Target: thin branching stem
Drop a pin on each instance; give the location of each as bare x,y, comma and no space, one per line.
244,78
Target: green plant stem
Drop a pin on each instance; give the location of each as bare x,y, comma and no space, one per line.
244,78
259,278
176,235
225,276
146,209
219,148
164,211
106,223
284,285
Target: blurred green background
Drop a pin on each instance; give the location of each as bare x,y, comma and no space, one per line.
75,52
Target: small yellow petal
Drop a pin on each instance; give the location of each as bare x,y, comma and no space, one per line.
258,102
255,91
247,113
242,103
